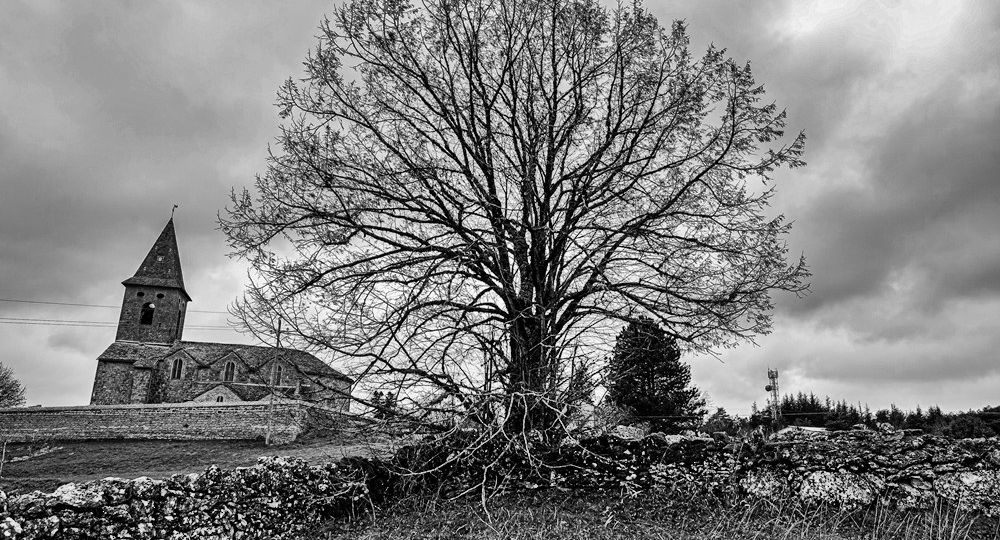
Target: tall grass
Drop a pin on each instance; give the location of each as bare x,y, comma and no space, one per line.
562,516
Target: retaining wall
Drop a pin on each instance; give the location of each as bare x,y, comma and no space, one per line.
206,421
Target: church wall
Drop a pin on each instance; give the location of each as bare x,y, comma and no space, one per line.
169,390
112,383
169,308
214,394
141,379
180,421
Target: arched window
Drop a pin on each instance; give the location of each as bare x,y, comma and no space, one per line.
177,369
230,373
276,375
146,316
218,399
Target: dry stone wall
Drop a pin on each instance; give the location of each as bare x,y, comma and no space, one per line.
280,497
276,498
245,420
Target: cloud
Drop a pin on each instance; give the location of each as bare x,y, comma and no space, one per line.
114,115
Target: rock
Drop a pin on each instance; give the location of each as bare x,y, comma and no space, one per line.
885,427
81,496
846,490
628,432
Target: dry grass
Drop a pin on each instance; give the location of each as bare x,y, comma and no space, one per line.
560,516
50,464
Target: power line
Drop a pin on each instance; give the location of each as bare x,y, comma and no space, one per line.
89,305
77,322
84,325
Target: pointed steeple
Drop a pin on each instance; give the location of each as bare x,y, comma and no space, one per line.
162,265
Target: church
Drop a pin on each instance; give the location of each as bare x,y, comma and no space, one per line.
149,362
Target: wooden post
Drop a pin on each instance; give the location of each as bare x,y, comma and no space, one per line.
270,387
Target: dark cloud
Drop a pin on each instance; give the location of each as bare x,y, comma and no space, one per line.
113,113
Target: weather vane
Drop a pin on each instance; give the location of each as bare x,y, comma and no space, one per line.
172,211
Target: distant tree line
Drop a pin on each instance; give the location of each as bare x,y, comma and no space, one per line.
812,411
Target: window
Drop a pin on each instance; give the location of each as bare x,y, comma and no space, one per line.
218,399
159,295
177,370
146,316
230,372
276,376
140,294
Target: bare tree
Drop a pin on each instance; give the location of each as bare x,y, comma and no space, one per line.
472,197
11,390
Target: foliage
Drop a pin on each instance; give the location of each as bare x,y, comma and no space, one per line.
470,196
11,390
968,426
720,422
809,410
647,378
384,404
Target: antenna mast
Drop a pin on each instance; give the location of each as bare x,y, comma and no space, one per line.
772,387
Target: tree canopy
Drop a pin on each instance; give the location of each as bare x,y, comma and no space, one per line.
470,197
11,390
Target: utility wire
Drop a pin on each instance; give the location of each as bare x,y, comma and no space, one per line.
83,325
99,324
90,305
30,319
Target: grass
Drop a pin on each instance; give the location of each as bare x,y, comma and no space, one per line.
46,465
562,516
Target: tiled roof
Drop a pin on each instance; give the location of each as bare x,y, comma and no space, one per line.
131,351
205,353
162,265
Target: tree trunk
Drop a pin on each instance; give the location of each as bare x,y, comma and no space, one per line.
531,370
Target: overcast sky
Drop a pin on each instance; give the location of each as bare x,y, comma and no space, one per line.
111,112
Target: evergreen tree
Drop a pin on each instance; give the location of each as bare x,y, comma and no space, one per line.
649,382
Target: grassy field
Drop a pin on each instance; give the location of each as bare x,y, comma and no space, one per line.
561,516
47,465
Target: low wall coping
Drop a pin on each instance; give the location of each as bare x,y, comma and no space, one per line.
180,405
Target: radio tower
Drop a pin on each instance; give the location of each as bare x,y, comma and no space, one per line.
772,376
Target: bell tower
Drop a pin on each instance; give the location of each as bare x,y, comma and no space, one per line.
155,301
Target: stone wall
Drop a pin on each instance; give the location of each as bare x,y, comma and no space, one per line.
847,469
276,498
112,383
242,420
279,497
168,317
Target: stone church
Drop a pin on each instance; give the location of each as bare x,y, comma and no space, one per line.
150,363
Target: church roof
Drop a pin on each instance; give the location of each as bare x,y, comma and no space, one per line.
162,265
146,355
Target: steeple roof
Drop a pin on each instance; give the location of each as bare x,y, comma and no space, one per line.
162,265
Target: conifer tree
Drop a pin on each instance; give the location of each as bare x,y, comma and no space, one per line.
648,380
